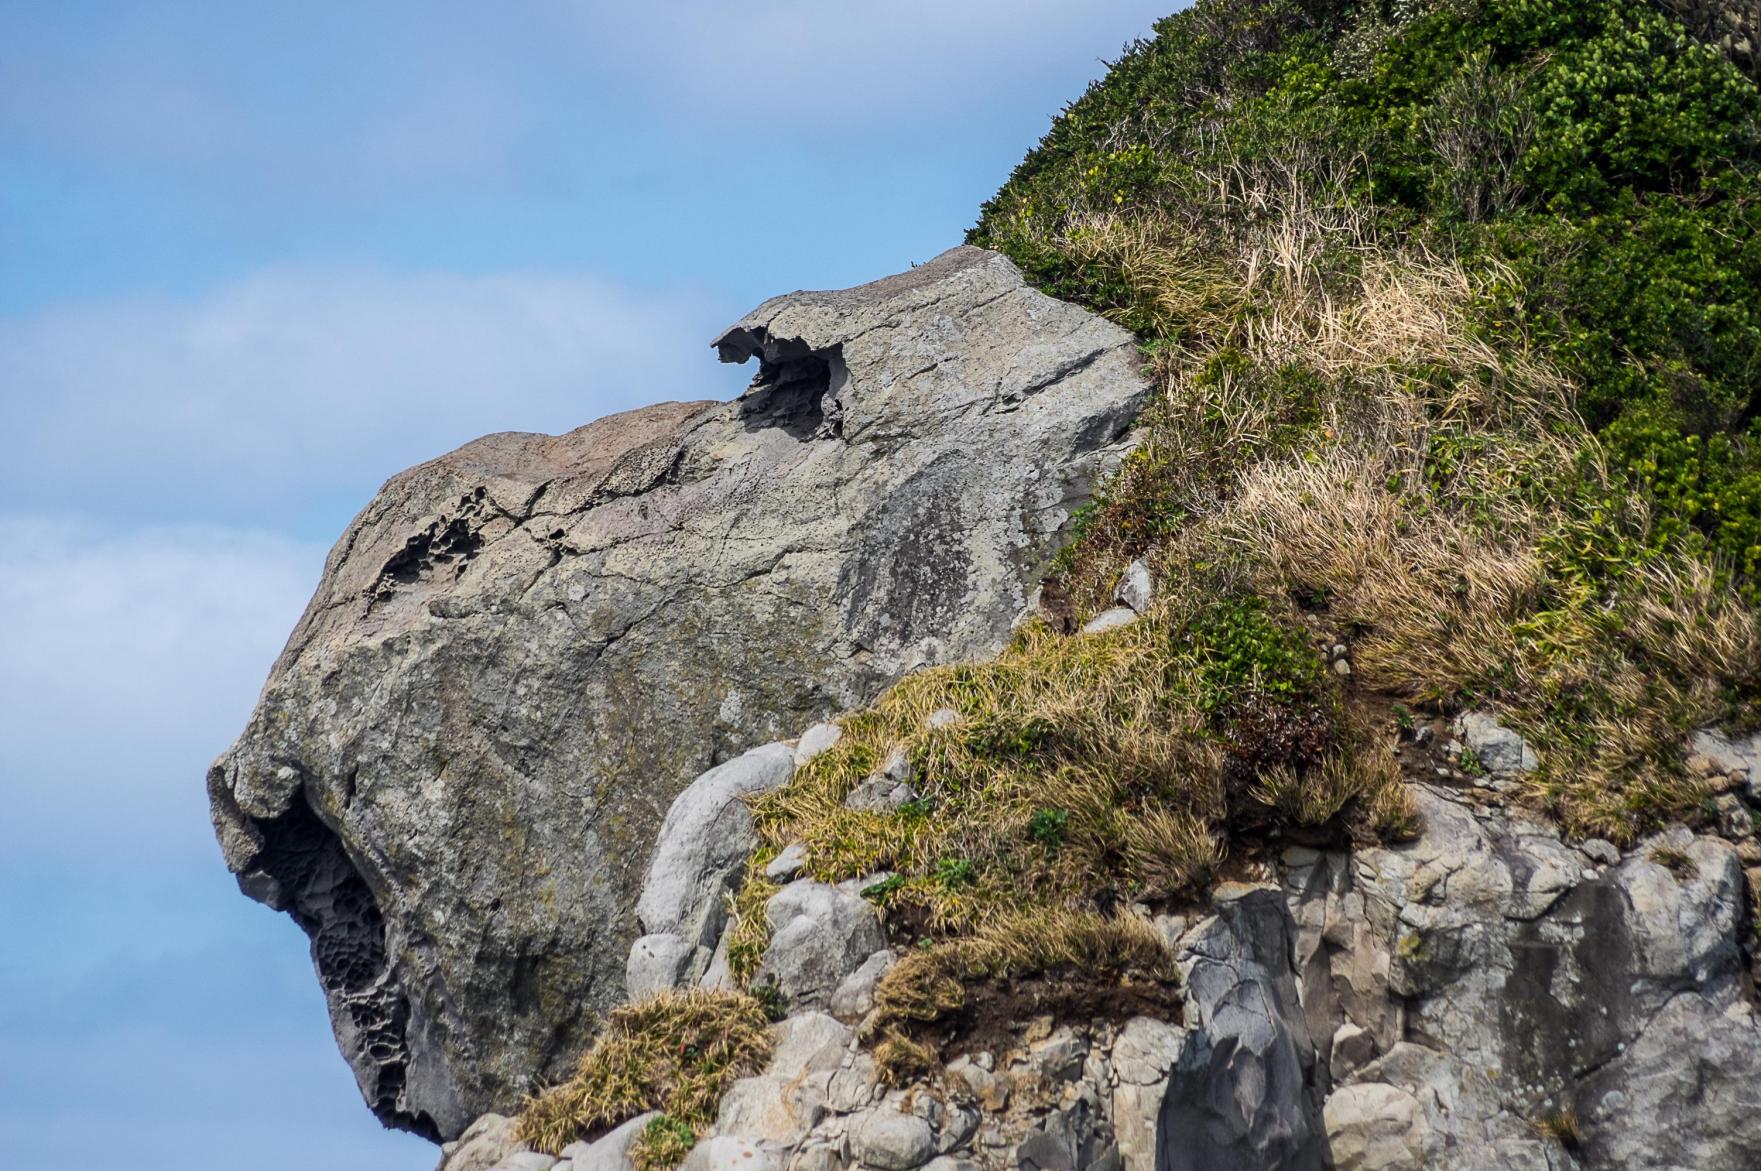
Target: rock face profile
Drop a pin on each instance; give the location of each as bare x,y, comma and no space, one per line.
521,652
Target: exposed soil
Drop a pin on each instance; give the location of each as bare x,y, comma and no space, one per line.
998,1011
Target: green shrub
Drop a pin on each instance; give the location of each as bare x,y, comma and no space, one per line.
1589,155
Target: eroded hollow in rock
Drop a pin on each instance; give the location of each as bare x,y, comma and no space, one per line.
796,388
302,869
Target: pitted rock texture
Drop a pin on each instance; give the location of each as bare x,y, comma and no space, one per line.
522,651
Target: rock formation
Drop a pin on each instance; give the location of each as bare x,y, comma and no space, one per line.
521,652
1482,998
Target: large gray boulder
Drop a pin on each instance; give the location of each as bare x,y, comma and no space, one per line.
819,935
1242,1095
521,652
704,843
1497,984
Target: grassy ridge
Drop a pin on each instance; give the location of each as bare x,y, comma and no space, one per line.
1454,309
1454,312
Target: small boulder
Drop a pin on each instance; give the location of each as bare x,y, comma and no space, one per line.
787,864
1114,619
772,1110
819,935
815,741
1499,750
854,997
1376,1127
891,1141
1135,588
1740,756
725,1153
887,789
527,1161
611,1151
1601,851
809,1043
1352,1049
485,1143
659,962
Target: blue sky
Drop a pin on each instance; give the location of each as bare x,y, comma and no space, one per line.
254,258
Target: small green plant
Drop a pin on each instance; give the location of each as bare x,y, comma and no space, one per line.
1048,826
770,997
953,873
917,809
886,888
1470,763
1243,649
1403,718
663,1143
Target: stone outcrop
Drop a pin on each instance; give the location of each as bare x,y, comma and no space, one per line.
1484,997
1733,25
521,652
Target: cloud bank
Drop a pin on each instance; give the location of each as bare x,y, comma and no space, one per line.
132,659
307,387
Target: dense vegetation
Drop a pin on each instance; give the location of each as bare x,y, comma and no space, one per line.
1454,312
1455,309
1586,163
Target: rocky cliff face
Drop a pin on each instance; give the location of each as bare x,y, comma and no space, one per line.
1483,998
521,652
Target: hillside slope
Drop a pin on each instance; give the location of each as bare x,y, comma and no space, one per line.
1372,782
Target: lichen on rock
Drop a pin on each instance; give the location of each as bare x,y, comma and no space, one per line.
521,652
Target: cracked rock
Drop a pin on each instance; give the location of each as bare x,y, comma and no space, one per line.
819,935
1500,750
521,652
1136,589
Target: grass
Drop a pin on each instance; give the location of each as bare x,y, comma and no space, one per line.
1345,426
676,1052
1107,766
1674,860
931,985
1563,1127
1439,376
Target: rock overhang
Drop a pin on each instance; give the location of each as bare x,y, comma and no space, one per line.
520,652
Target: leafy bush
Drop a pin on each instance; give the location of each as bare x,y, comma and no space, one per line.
1589,154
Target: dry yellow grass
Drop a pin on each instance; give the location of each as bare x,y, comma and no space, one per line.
1607,684
1333,435
928,986
676,1052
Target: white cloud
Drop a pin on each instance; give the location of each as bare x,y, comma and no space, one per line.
132,659
302,386
407,91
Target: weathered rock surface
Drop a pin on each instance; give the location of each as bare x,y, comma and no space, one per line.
486,1142
1460,1001
819,936
1242,1096
521,652
1504,985
704,841
610,1151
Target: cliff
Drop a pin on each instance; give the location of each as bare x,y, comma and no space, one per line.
1251,663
